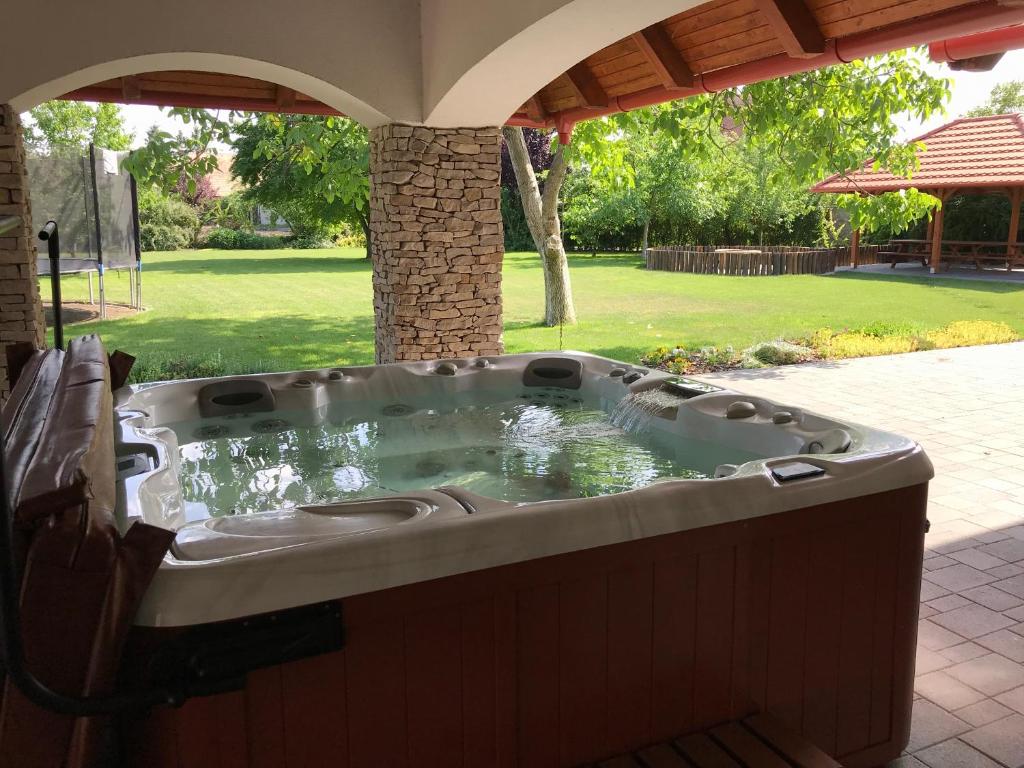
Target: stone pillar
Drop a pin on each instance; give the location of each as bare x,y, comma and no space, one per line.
21,311
437,243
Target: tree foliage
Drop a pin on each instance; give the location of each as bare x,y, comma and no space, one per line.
74,125
313,171
167,160
1004,98
828,121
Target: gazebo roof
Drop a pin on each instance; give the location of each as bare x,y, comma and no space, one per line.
969,153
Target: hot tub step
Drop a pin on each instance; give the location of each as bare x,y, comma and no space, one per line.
759,741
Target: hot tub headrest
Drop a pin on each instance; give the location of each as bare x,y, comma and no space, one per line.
81,580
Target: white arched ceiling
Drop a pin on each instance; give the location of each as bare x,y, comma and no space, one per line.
364,55
482,60
439,62
205,62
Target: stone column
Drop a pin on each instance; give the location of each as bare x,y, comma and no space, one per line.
21,311
437,243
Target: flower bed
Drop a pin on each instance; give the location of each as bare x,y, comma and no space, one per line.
828,344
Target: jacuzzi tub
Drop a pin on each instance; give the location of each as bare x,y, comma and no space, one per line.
745,556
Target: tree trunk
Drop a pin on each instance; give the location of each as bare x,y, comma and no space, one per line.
545,226
647,230
364,224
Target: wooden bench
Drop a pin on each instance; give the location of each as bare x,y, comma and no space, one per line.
758,741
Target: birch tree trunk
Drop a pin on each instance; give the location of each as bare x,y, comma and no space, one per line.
545,226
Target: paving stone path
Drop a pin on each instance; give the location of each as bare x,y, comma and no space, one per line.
966,407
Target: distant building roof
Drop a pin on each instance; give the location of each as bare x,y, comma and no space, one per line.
972,152
220,179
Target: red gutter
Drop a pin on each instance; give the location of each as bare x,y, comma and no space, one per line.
171,99
967,20
973,46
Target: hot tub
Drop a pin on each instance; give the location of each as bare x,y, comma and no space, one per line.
540,559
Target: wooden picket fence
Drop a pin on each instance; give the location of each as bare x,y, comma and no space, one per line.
743,260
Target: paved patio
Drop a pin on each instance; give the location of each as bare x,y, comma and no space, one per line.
966,407
955,273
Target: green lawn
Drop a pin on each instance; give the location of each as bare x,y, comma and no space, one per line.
298,309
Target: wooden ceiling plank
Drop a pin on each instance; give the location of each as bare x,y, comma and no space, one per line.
795,26
655,44
131,88
284,97
588,88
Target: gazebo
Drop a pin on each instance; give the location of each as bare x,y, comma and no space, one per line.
972,155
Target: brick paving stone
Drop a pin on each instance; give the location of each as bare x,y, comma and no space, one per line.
1010,550
984,712
931,724
977,559
923,612
990,674
930,591
905,761
1017,614
935,638
963,652
992,597
1014,585
955,754
948,692
1005,642
1005,571
972,621
929,661
1002,740
948,603
1013,699
938,561
959,577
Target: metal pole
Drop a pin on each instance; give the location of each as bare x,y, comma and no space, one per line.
49,235
88,273
134,188
99,230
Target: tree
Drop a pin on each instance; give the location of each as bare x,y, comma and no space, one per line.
831,120
1004,98
313,171
167,160
75,125
541,211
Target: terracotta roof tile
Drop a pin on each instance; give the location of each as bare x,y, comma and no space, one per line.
969,152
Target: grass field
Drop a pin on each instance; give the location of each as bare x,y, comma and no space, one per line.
285,310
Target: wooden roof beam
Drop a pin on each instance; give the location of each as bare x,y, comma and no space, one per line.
131,88
588,89
284,97
795,27
535,108
656,46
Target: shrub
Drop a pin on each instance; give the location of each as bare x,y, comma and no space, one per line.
306,241
966,333
234,211
188,366
777,352
839,345
166,223
683,361
236,239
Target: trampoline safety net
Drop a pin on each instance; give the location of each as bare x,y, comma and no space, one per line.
62,190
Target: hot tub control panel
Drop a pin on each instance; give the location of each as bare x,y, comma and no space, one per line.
691,387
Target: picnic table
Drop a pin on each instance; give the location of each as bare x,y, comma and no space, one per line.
978,252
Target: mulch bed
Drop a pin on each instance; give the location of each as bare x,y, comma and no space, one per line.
73,312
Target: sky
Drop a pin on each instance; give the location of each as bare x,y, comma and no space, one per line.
969,90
